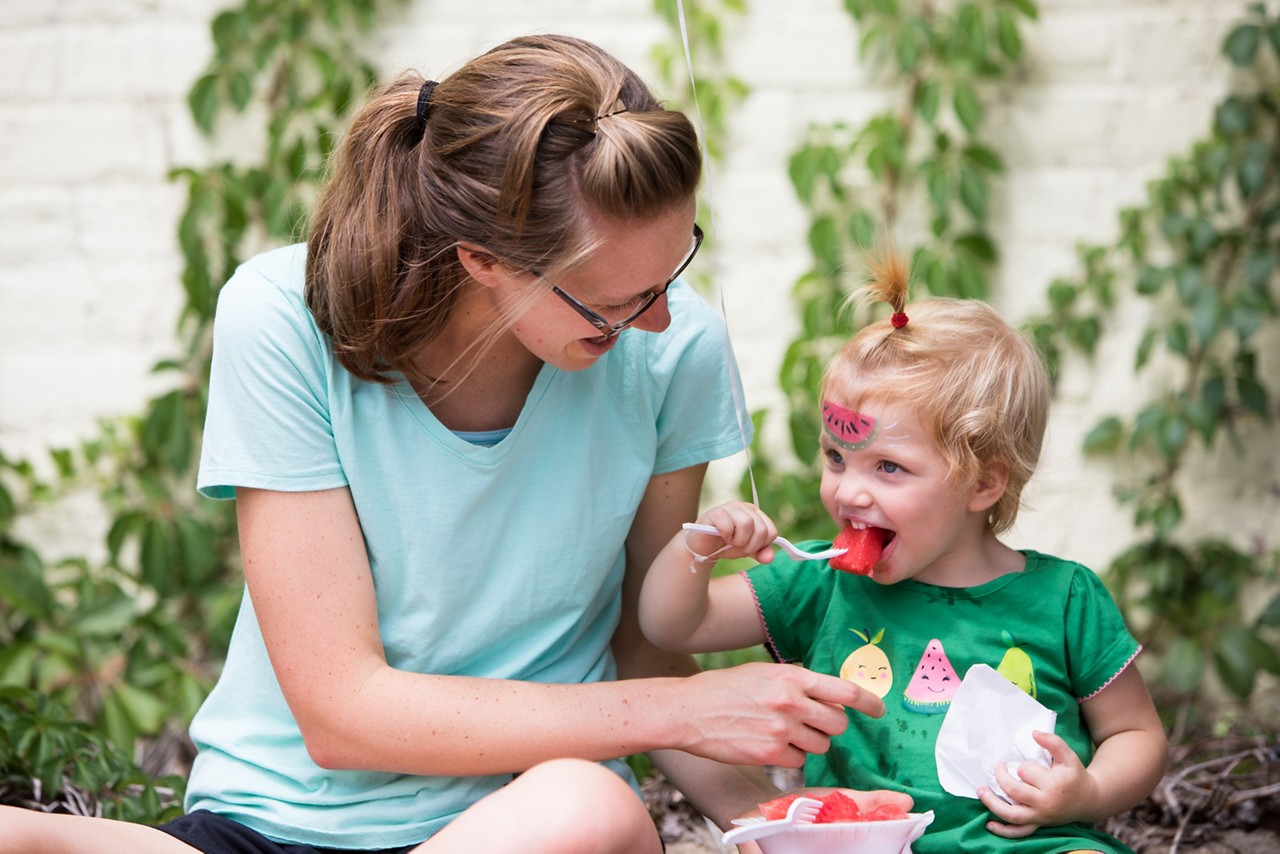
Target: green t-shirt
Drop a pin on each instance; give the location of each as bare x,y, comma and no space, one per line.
1052,629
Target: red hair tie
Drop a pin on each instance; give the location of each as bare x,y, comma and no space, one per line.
898,320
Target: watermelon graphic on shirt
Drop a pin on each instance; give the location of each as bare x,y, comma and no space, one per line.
933,684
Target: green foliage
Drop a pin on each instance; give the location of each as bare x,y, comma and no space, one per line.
923,155
718,91
48,758
133,642
1201,261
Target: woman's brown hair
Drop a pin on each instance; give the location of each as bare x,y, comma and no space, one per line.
519,149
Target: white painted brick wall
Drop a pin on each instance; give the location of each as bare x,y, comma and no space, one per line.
93,117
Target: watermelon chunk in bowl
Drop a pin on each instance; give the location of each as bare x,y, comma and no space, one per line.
839,828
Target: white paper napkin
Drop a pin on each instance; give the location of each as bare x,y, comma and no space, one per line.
990,721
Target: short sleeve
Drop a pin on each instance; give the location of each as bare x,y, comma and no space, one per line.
699,417
1098,642
268,423
789,600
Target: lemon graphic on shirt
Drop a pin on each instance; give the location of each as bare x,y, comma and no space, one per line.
1016,665
868,666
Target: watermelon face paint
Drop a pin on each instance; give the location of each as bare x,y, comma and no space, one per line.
848,429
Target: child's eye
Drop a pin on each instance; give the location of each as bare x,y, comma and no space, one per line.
889,467
834,457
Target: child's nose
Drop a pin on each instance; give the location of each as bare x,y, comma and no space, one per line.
853,492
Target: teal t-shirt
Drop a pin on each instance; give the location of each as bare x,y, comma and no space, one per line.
501,561
1052,629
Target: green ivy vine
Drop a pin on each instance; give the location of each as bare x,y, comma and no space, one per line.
1201,261
130,645
925,152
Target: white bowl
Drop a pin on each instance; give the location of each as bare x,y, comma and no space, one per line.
843,837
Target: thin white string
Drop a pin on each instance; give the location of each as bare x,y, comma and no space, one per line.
739,403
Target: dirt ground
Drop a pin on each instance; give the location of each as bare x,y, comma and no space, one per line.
1219,797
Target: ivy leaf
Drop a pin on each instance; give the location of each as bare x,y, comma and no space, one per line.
1177,339
1253,396
1104,437
1166,516
973,193
1026,7
824,243
928,99
1234,116
1062,294
802,168
1150,279
983,157
1241,45
240,88
1172,435
202,100
1206,316
978,245
967,106
939,186
1252,173
862,229
1007,35
1239,654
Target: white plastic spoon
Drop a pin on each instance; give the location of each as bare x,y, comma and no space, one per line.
801,811
783,542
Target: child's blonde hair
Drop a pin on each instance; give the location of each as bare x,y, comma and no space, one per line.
975,382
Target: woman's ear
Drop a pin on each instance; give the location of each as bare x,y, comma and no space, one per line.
480,265
992,483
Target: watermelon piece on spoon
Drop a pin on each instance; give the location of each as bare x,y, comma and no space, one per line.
863,545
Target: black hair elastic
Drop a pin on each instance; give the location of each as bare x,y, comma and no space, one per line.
424,101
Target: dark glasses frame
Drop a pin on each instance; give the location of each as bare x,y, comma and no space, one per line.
608,329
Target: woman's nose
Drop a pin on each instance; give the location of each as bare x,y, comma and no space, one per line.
657,318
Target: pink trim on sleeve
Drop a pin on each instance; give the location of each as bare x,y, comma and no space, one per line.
1114,676
768,638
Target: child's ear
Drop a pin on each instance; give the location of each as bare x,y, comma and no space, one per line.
480,265
990,487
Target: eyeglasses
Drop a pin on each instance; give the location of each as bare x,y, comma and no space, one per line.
643,302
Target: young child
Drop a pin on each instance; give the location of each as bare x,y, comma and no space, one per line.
932,426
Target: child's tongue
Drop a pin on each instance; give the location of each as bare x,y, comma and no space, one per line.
864,546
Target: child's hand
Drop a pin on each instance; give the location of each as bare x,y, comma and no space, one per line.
745,531
1044,797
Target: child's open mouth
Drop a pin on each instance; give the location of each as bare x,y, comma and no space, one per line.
864,546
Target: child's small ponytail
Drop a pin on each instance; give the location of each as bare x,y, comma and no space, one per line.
888,279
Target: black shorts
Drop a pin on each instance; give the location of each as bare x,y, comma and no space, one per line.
215,834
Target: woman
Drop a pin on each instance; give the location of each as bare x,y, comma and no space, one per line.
452,461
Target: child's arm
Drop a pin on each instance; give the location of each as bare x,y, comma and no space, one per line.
1129,761
682,609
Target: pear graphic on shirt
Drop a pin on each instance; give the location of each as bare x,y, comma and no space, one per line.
933,684
867,666
1016,665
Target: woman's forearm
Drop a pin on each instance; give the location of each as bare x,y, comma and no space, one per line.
462,726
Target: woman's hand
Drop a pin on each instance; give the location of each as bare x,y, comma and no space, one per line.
1044,797
768,714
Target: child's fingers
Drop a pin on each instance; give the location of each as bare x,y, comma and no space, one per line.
1058,748
743,526
1011,831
